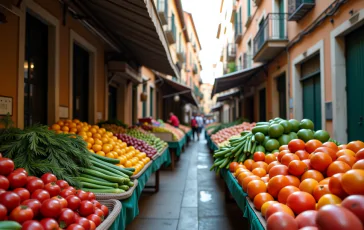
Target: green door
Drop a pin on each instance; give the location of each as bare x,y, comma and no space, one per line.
280,17
354,82
151,100
312,100
262,105
281,88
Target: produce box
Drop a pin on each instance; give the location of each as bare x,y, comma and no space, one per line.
145,120
117,196
159,154
114,211
165,136
136,176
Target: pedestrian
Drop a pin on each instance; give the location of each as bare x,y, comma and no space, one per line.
173,120
199,120
194,126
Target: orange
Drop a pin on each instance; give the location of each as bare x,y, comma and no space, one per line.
350,160
269,158
320,190
97,148
89,134
337,167
59,131
276,183
355,146
128,164
247,179
89,145
328,199
261,199
90,140
56,127
96,136
352,182
308,185
255,187
260,172
72,125
248,164
106,148
359,164
266,205
297,167
60,123
65,128
101,153
110,155
93,130
285,192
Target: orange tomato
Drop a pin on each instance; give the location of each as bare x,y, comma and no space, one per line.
312,145
328,199
355,146
359,164
278,207
360,154
247,179
101,153
327,150
106,148
266,205
283,147
325,181
314,174
272,164
331,145
293,180
233,166
302,154
265,179
342,147
269,158
242,176
248,164
297,167
320,161
258,156
345,152
261,199
260,172
281,154
255,187
278,170
308,185
56,127
295,145
285,192
240,170
350,160
260,164
352,182
320,190
337,167
275,184
65,128
335,186
287,158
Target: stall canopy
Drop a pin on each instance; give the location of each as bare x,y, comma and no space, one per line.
234,79
216,108
133,27
228,96
172,88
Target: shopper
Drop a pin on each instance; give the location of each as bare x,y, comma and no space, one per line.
199,120
194,126
173,120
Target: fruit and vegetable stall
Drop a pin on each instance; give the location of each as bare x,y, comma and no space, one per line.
75,175
283,174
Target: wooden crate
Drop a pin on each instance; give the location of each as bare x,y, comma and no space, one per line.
165,136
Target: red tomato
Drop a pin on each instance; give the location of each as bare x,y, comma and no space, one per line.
65,193
295,145
21,170
95,218
40,195
6,166
2,191
96,203
73,202
301,201
53,189
4,182
72,189
92,225
3,212
49,224
62,184
86,208
66,218
32,225
91,196
82,195
281,220
35,184
99,212
84,222
306,218
105,210
22,193
333,217
34,205
17,180
62,200
48,178
10,200
75,227
21,214
29,178
355,204
51,208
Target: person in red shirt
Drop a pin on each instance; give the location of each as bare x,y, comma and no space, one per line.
173,119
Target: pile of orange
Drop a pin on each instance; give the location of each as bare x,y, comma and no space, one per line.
104,143
302,176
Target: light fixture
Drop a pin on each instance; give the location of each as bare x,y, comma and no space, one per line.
26,65
176,98
31,66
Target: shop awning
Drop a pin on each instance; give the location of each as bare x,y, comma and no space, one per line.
228,96
234,79
171,88
216,108
134,28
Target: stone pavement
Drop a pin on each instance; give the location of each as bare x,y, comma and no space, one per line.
190,197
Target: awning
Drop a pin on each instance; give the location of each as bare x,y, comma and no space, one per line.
134,27
216,108
171,88
228,96
234,79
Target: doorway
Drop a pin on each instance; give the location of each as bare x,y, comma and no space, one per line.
112,103
36,72
311,88
249,108
262,105
81,76
282,97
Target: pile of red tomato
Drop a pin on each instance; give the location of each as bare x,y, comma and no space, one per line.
314,185
46,203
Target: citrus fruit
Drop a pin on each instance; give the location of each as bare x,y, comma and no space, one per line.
271,145
305,134
284,139
306,124
286,125
295,125
275,130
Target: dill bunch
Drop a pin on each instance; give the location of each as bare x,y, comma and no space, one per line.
40,150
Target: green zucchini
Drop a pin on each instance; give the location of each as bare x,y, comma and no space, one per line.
104,190
96,182
106,172
130,169
124,187
106,159
103,176
127,172
130,184
109,169
93,178
90,185
9,225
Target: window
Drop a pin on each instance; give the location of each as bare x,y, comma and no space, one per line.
144,102
151,100
249,56
249,8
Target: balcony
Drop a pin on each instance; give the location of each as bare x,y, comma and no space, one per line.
238,32
171,31
231,52
195,69
181,56
257,2
232,67
247,60
297,9
271,38
162,8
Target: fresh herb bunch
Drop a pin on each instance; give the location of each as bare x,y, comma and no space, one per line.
40,150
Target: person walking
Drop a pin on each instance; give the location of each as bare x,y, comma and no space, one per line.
199,120
194,126
173,120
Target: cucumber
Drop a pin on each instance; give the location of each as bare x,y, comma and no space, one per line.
90,185
104,190
124,187
109,169
130,184
129,169
226,161
263,129
127,172
93,178
106,172
9,225
96,182
106,159
103,176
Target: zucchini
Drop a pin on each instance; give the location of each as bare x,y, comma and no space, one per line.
130,169
127,172
96,182
106,172
106,167
103,190
124,187
90,185
106,159
130,184
263,129
93,178
91,172
9,225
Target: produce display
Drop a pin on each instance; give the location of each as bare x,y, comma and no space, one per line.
29,202
140,145
167,128
150,138
306,184
184,128
113,128
226,133
216,127
104,143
